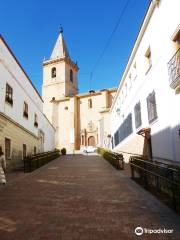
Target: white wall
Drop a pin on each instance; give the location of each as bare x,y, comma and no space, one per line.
165,130
23,90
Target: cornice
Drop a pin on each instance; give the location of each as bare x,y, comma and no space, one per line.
18,63
17,124
64,59
152,5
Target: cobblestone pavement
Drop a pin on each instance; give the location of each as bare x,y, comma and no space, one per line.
80,197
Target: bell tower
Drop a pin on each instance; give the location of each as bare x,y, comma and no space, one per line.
59,75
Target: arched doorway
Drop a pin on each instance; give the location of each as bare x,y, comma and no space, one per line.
91,141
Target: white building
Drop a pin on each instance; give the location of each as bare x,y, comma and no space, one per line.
24,129
145,114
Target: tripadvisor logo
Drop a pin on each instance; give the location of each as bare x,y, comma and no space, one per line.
139,231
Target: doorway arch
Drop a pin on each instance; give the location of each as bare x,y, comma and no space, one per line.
91,141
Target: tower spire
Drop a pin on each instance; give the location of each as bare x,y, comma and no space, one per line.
60,49
61,30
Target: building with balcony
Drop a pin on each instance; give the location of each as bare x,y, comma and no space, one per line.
24,129
145,113
174,70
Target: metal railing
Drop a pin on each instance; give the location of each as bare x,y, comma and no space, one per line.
35,161
116,159
174,70
165,179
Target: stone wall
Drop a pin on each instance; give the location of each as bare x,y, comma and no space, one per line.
18,136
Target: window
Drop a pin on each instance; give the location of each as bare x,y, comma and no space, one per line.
89,103
82,140
53,72
25,110
7,149
176,36
134,71
9,94
174,62
130,82
118,111
137,114
125,91
148,59
35,120
112,142
124,130
151,107
71,75
35,150
122,97
24,151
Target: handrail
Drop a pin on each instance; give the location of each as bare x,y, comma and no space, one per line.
39,160
155,174
144,172
155,164
116,159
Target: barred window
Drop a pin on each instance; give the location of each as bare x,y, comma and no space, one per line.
116,138
35,150
9,94
25,110
151,107
71,75
148,59
112,142
82,140
7,149
137,114
35,120
124,130
130,82
90,103
24,151
53,72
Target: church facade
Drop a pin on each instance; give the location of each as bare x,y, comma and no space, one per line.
80,119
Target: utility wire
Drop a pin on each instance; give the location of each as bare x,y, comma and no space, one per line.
108,41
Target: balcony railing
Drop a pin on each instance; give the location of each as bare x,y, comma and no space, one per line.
174,70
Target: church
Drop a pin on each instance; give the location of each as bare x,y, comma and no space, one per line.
80,119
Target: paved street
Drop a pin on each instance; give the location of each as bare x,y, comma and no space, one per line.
80,197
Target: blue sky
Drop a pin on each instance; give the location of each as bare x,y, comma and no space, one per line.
31,29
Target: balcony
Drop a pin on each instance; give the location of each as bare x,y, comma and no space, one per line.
174,70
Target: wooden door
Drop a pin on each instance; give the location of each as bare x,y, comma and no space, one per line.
91,141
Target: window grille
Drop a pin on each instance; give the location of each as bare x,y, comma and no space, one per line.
9,94
137,114
124,130
151,107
